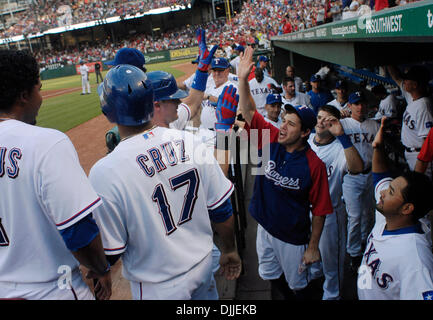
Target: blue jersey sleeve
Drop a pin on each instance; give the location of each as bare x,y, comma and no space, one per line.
379,176
80,234
221,213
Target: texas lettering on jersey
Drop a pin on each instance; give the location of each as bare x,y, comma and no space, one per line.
382,279
361,137
11,157
260,91
408,121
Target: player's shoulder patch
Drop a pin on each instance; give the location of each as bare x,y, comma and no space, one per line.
427,295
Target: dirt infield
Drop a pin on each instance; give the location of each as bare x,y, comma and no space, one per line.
89,141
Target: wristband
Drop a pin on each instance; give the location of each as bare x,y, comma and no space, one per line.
222,126
345,141
200,80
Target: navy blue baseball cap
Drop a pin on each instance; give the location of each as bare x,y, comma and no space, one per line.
357,97
263,58
315,78
130,56
305,113
219,63
240,48
273,98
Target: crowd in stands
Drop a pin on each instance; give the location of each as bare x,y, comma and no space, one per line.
256,23
46,14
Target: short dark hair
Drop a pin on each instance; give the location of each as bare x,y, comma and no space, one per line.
288,79
332,110
19,72
418,191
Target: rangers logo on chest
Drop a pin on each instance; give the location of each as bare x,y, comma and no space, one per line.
280,180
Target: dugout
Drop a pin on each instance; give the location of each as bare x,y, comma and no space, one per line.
400,36
358,49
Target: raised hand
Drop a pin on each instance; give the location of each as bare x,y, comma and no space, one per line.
245,63
205,56
334,126
378,139
226,108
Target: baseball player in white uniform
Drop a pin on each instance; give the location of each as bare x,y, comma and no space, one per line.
417,118
387,105
259,88
166,252
235,61
46,225
336,150
357,188
290,73
273,109
293,97
397,262
220,71
341,101
85,83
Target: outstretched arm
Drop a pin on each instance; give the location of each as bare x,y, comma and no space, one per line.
379,158
395,75
246,102
198,86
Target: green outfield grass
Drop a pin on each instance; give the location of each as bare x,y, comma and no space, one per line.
69,110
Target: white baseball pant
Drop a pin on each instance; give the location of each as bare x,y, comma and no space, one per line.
358,194
332,248
85,84
77,289
195,284
277,257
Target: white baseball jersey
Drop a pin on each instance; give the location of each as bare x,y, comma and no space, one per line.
84,71
234,63
299,99
417,121
387,107
362,135
338,105
183,117
155,203
275,124
44,189
334,159
396,265
210,82
260,91
208,117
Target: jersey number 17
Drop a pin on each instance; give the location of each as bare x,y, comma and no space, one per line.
189,178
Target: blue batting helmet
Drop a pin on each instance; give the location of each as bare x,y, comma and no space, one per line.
165,86
126,96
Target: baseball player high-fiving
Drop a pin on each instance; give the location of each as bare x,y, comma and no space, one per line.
158,201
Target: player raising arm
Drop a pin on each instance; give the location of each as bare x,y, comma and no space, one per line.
159,198
293,178
397,262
